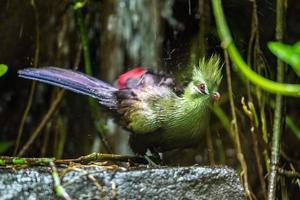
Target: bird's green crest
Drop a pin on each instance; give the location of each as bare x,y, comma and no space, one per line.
208,70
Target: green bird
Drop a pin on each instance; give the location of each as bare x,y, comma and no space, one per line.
160,114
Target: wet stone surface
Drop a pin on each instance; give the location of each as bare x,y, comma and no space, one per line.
120,183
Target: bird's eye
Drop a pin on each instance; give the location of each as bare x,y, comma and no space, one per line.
201,87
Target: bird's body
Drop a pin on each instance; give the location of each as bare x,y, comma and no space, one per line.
159,116
162,120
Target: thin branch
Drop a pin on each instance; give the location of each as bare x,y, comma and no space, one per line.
58,188
84,41
42,124
288,173
88,69
33,84
93,157
235,130
210,147
53,107
251,113
278,119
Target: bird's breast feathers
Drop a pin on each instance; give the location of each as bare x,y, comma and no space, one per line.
159,108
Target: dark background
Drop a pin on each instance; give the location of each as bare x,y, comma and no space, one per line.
165,37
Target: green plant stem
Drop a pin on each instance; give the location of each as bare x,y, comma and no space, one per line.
288,173
58,188
204,18
88,69
227,43
210,147
84,41
221,115
293,126
61,137
93,157
277,127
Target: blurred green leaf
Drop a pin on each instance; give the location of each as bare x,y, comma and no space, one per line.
3,69
79,4
296,47
5,145
287,53
293,126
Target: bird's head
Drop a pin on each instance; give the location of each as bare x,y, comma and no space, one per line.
206,78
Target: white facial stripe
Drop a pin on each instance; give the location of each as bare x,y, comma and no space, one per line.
196,88
205,92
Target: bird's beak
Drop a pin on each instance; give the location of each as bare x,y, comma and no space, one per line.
216,97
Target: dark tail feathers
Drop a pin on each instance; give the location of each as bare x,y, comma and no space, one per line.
74,81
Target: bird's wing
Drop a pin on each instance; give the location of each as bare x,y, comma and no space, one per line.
147,103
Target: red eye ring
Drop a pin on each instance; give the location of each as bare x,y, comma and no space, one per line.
201,87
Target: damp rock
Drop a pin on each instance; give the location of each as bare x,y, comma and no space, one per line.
121,183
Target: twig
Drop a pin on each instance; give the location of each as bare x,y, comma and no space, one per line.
45,140
46,118
88,69
59,139
97,157
51,110
84,41
90,176
94,157
288,173
278,119
33,84
58,188
235,130
203,10
251,113
83,173
253,37
210,147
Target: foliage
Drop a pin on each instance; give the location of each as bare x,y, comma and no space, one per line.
5,145
107,32
3,69
287,53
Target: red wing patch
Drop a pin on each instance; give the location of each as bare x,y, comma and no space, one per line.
134,73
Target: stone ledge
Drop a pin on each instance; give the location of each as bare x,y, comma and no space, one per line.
119,183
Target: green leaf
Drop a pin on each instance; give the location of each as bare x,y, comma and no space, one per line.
5,145
293,126
287,53
296,47
3,69
79,4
